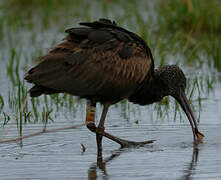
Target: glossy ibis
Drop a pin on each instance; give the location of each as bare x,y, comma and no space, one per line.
105,63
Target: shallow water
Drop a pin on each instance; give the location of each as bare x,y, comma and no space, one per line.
59,155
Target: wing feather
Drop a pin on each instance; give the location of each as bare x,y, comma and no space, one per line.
100,64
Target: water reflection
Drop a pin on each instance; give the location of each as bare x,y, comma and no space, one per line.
100,165
192,165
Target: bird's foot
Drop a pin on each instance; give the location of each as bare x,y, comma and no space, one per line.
122,142
126,144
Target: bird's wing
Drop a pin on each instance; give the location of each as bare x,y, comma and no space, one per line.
94,62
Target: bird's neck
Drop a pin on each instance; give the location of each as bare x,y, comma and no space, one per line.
150,91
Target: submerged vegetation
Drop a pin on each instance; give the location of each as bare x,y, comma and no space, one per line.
182,32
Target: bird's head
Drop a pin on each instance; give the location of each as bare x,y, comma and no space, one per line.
172,81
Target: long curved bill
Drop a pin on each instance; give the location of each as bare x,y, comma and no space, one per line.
184,103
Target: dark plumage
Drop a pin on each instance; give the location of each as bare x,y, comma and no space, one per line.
105,63
100,63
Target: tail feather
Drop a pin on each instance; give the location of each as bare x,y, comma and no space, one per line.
36,91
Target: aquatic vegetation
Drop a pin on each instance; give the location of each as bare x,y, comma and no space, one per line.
1,103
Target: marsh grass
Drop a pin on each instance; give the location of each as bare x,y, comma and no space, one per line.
1,103
179,32
198,16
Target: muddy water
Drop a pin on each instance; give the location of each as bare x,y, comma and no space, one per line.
59,155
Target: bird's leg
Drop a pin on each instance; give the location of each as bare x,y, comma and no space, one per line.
90,122
90,116
100,131
122,142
